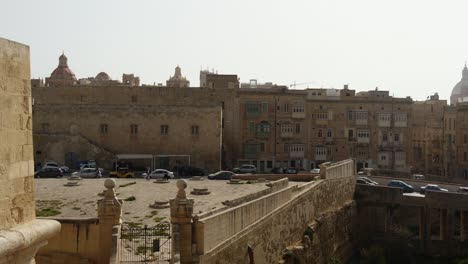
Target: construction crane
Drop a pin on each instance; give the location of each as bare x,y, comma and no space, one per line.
298,84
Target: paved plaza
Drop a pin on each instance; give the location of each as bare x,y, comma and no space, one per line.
81,201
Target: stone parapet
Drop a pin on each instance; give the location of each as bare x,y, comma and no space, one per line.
20,243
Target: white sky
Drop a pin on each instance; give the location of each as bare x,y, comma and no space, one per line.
409,47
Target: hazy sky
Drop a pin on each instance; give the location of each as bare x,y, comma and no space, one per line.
411,47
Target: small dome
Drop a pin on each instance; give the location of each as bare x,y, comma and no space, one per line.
63,71
102,76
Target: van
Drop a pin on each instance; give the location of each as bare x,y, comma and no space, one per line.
418,177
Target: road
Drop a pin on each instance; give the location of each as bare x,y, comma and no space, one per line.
415,183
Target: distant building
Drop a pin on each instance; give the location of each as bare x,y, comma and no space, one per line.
215,81
130,79
177,80
62,75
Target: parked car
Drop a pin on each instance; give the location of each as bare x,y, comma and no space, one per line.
246,168
52,164
361,181
401,184
122,172
49,172
432,187
463,190
371,182
315,171
88,173
221,175
418,177
160,174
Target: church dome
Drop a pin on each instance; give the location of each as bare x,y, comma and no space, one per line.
460,90
102,76
63,71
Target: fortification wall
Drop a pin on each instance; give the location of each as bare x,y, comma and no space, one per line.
16,147
269,232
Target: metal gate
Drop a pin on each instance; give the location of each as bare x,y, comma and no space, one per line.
145,244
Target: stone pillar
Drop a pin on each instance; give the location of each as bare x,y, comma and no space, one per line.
421,223
443,224
21,234
181,220
463,225
109,214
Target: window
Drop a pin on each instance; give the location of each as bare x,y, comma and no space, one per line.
400,117
361,115
286,147
134,98
286,128
83,98
396,137
322,116
262,147
296,147
252,108
164,129
103,128
384,137
251,128
298,128
464,138
329,133
400,156
384,117
194,130
298,108
263,129
45,127
350,134
321,151
464,156
363,133
383,157
264,107
320,133
133,129
350,115
286,108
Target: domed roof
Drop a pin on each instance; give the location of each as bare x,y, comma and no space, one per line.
460,90
102,76
62,71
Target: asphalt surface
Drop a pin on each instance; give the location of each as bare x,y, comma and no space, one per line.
415,183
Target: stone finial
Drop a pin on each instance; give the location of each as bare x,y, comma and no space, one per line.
181,185
109,184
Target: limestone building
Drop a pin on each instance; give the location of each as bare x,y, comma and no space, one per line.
428,132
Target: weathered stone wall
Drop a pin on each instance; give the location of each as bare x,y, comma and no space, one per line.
77,243
146,106
277,229
16,147
69,123
331,236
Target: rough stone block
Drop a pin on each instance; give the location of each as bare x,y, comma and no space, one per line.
24,169
27,152
14,170
17,185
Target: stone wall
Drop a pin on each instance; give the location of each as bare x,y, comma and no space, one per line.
20,233
269,232
16,147
77,243
67,124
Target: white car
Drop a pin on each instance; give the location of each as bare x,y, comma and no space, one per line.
88,173
315,171
160,174
51,164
